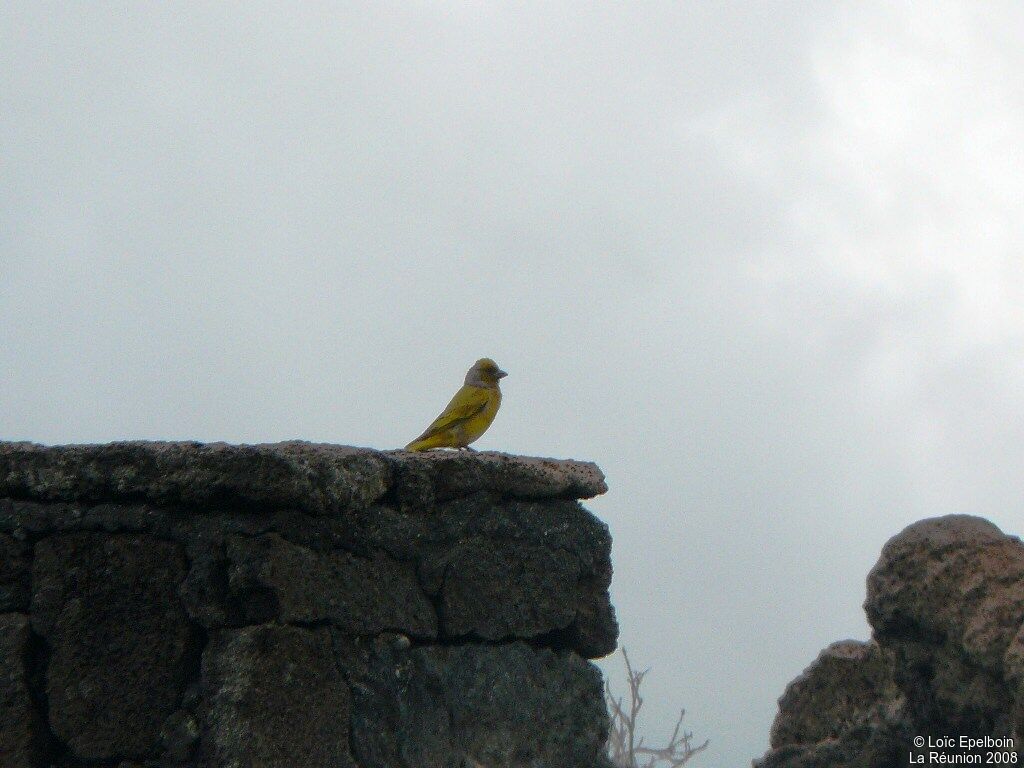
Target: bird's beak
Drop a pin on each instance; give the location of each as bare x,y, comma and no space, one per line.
500,374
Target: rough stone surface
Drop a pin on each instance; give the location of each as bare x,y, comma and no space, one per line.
946,605
180,604
846,682
317,479
276,699
18,727
294,584
843,710
556,571
15,574
470,705
469,595
107,607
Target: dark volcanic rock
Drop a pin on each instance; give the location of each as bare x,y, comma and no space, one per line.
442,475
555,567
948,596
313,478
15,574
18,729
293,584
539,596
276,698
474,705
176,604
946,603
107,606
842,689
318,479
843,710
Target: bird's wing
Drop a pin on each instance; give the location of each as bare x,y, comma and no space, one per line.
466,404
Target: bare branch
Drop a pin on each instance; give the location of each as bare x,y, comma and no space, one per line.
625,747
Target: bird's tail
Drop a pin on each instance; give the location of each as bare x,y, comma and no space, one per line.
423,444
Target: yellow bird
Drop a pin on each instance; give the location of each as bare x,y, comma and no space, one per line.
470,412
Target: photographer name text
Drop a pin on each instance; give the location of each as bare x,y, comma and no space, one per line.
976,750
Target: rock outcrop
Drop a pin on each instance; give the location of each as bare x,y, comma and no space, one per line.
946,605
181,604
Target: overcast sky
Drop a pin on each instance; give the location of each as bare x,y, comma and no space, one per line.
761,261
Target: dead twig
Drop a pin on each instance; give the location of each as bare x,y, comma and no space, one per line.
625,748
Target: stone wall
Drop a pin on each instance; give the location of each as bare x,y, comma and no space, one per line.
946,605
181,604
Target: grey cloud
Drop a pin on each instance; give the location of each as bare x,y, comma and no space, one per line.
686,230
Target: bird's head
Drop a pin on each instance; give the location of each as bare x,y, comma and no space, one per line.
484,373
